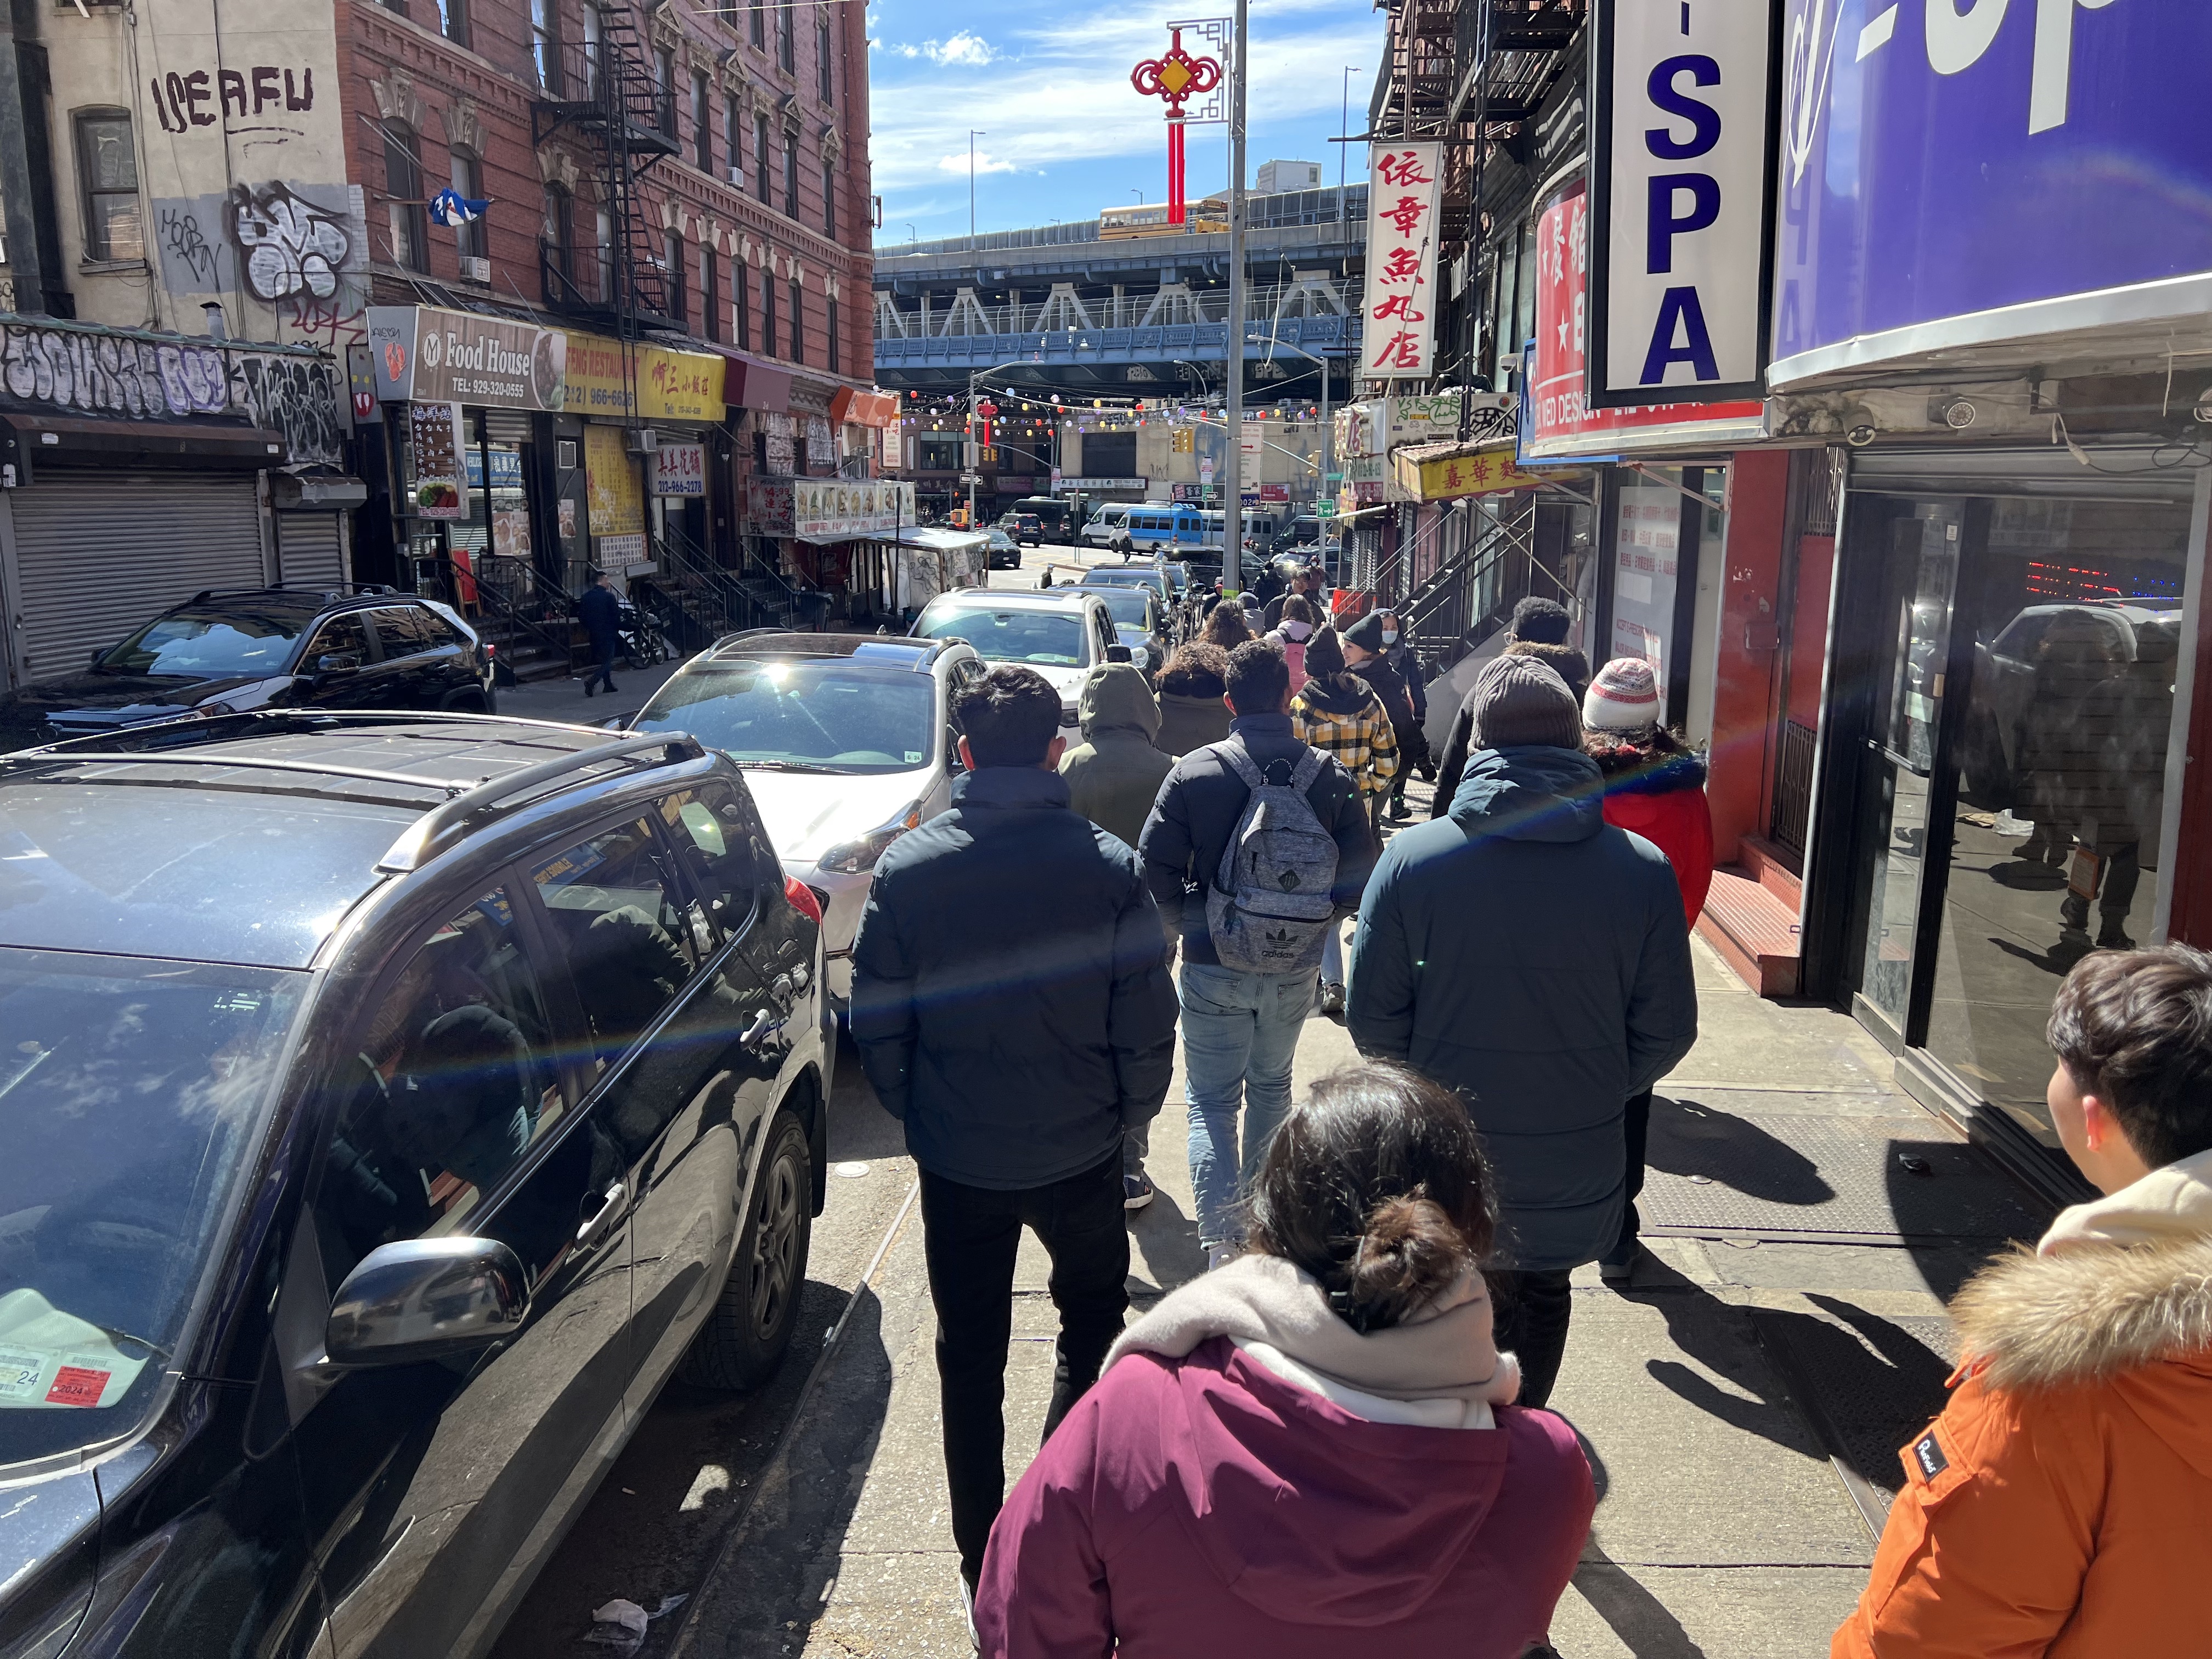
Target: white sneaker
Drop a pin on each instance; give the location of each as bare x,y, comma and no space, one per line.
968,1611
1221,1256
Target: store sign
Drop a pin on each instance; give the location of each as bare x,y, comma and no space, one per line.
1646,549
1436,418
360,382
679,470
614,503
671,385
1681,198
1966,175
1065,485
1483,471
1274,492
434,447
1401,259
1561,424
421,355
827,509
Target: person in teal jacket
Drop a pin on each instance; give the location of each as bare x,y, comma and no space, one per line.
1528,954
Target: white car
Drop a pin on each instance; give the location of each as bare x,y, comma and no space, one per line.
848,741
1061,632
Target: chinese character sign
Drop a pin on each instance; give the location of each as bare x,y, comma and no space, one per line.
1645,548
1401,260
679,470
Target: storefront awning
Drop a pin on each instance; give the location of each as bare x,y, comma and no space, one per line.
1448,470
156,443
853,407
749,383
930,539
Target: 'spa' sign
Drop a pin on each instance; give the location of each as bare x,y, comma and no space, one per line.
1682,193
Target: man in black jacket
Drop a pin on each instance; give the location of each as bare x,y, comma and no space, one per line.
1240,1031
601,614
1011,1003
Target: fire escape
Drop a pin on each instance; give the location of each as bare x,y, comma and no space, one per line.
608,102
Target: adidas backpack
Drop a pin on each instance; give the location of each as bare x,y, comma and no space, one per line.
1270,907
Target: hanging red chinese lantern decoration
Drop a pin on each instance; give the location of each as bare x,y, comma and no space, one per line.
1172,77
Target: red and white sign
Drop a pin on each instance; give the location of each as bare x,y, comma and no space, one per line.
679,470
1401,331
1562,426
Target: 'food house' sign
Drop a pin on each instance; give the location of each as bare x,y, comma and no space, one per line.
423,354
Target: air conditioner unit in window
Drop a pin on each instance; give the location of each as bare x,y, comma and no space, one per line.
737,175
475,268
643,440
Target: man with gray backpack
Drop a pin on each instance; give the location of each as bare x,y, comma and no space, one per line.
1256,846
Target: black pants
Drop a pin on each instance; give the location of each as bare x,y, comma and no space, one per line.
603,663
1533,1309
2116,887
970,1235
1635,1119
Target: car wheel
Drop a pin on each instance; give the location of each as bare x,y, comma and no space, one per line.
471,701
745,1336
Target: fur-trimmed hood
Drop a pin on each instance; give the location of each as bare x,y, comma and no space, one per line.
2119,1291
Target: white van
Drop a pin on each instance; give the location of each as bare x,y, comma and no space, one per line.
1108,524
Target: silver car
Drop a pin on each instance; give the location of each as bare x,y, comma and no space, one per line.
847,740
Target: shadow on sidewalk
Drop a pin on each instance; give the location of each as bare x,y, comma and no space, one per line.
1719,1337
1691,1140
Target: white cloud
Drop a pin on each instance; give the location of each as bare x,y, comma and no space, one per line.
966,47
984,162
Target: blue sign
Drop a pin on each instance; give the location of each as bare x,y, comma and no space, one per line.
1943,158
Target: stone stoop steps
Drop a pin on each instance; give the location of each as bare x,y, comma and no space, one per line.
1751,919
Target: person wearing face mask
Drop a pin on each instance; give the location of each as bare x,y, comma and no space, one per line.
1301,587
1369,644
1292,633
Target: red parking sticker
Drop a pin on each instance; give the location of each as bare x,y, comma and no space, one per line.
76,1385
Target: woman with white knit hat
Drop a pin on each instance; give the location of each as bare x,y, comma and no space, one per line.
1654,788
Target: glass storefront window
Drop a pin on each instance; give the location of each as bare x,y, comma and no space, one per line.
2065,617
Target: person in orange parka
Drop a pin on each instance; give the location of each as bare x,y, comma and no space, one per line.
1654,788
2061,1507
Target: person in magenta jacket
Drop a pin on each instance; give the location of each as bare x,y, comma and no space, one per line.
1654,788
1312,1450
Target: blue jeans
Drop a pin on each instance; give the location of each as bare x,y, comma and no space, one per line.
1240,1033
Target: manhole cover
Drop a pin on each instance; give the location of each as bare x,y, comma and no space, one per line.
1715,1174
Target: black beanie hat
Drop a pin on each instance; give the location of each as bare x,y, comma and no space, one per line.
1366,633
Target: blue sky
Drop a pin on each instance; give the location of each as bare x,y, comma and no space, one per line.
1064,132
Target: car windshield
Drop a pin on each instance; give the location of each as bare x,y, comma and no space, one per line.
208,645
132,1096
1124,605
1052,638
836,716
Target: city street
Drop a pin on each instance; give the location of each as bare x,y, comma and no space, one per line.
1742,1404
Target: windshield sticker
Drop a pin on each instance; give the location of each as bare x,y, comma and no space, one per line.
913,757
576,862
51,1358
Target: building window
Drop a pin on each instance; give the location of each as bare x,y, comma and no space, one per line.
107,165
710,293
798,326
545,44
822,53
453,20
703,122
470,241
835,365
678,301
595,51
768,313
733,131
756,23
741,296
603,226
786,54
829,200
791,175
403,189
761,162
664,89
557,241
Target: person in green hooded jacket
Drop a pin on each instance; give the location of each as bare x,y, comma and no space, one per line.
1113,777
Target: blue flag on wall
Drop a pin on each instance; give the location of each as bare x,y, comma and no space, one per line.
450,206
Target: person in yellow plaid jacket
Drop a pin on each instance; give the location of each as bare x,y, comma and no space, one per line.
1339,714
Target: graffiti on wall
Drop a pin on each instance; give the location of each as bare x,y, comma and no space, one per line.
292,249
298,249
81,372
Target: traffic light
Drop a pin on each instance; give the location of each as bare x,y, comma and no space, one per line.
1182,441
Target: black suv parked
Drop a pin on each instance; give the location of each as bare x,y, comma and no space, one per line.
392,1105
223,654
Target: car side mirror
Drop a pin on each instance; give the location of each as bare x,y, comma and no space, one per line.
1120,653
97,652
337,662
425,1298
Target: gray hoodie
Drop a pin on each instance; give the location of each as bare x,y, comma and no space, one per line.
1114,775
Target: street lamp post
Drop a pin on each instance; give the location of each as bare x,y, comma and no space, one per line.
973,133
1328,431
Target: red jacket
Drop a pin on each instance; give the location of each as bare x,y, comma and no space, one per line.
1207,1505
1663,799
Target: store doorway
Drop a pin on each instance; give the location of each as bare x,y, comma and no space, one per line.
2011,755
